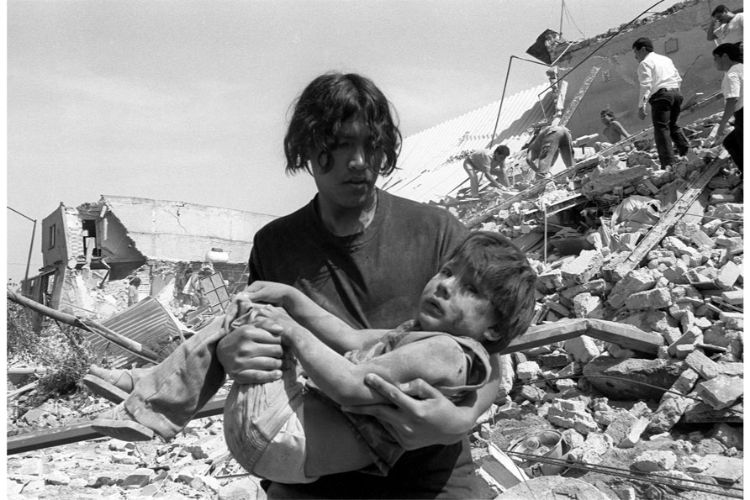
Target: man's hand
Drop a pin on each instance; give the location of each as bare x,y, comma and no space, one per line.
269,292
422,416
642,112
251,355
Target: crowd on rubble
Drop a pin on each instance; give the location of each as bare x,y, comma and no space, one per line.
336,275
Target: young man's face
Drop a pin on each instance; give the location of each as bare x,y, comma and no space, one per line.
723,17
499,156
349,181
722,62
451,302
606,119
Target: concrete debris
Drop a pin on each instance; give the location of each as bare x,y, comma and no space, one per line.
720,392
655,460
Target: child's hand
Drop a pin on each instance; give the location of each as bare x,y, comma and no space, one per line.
269,292
276,321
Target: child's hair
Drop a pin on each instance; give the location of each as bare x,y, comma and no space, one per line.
323,107
608,112
503,149
504,275
644,42
136,282
732,50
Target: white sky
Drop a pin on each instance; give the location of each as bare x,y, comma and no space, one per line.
188,100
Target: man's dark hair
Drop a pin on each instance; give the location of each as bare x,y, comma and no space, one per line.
136,282
607,112
503,149
720,9
504,275
732,50
324,106
644,42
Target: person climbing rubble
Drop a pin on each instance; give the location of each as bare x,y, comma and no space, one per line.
491,165
546,144
728,58
659,85
725,26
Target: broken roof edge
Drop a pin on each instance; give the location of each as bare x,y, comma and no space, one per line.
572,46
124,199
538,89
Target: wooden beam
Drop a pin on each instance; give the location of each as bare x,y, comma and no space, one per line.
671,217
88,325
626,336
579,96
82,431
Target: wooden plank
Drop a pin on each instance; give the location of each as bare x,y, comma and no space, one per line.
82,431
627,336
579,95
669,218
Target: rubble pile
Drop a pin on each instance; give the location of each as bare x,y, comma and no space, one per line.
193,465
676,412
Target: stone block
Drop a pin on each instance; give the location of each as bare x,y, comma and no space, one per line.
720,392
685,382
691,337
583,349
634,433
658,298
527,370
532,393
583,268
619,426
702,364
732,320
636,281
655,460
728,275
620,378
555,359
550,281
728,435
586,305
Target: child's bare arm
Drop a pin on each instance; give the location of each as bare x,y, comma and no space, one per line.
438,361
328,328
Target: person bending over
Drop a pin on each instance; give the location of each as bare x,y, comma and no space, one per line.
492,166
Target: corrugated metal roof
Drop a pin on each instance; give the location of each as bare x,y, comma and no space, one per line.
179,231
147,322
424,174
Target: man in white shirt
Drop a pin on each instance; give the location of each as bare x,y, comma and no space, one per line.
726,26
659,85
727,58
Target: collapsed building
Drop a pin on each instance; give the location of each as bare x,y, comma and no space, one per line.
91,250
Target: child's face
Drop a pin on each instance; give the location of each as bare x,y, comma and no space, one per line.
452,302
606,119
350,180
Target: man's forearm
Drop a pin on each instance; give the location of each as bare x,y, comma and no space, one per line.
729,106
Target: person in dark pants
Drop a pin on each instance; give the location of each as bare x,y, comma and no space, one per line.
659,83
728,58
